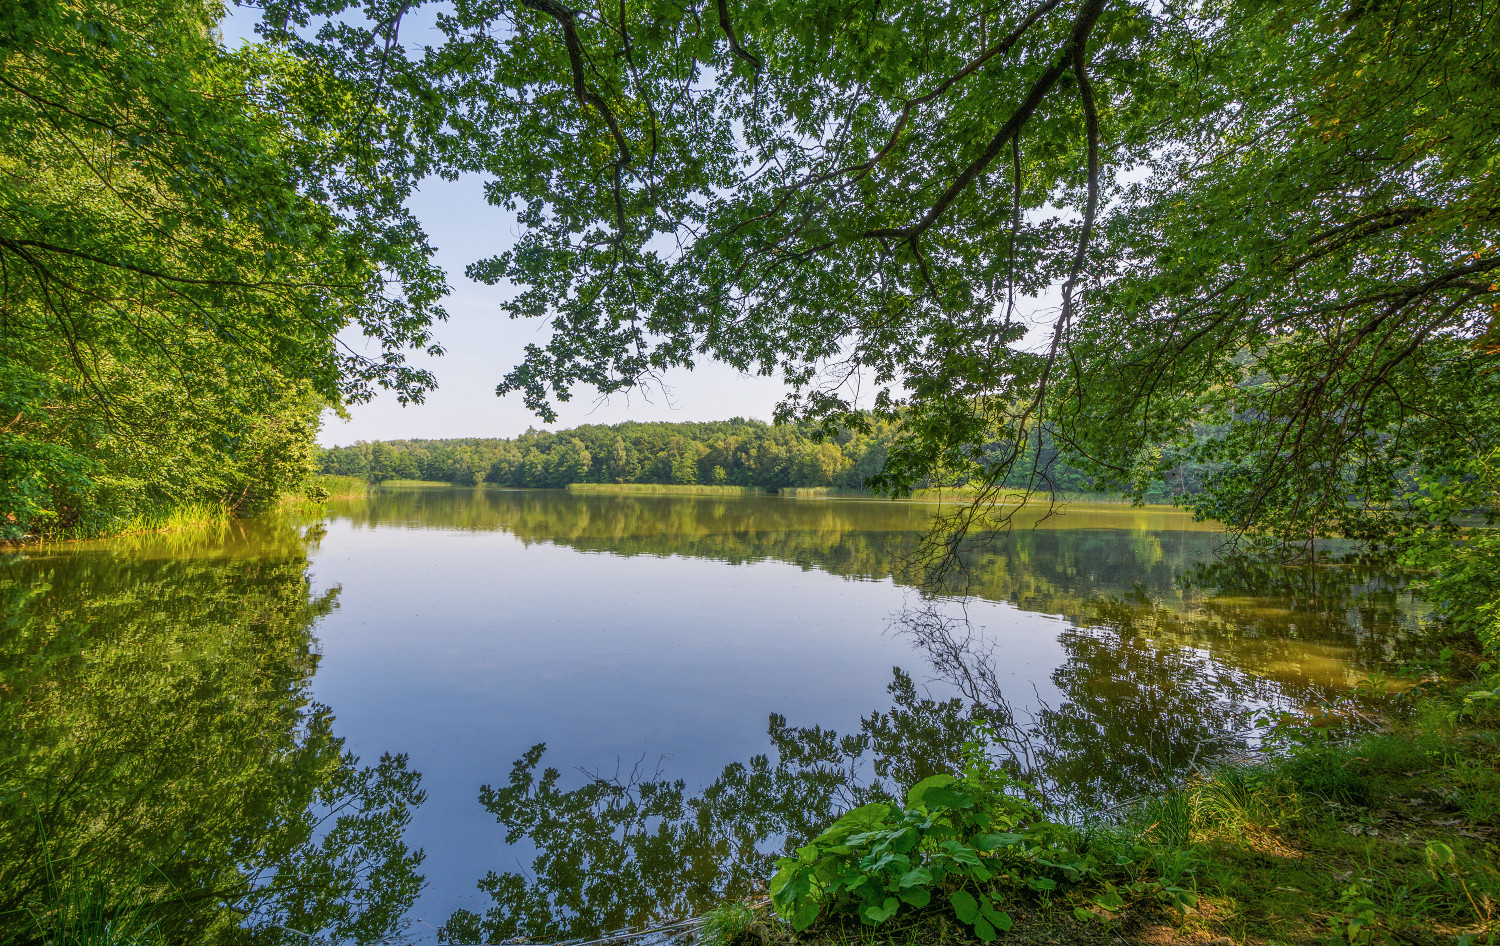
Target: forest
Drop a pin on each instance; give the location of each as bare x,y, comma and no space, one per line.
183,234
736,452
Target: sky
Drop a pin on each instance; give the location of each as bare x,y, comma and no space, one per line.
481,344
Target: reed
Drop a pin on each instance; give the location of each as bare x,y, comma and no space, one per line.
182,518
342,487
391,483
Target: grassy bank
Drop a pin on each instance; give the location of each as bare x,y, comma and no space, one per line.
664,488
178,519
389,483
1390,836
319,489
188,517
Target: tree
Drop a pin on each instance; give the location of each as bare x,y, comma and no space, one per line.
622,468
571,461
183,232
682,462
1311,271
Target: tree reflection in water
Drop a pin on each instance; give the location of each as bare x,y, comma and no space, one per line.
159,751
158,738
1139,699
629,850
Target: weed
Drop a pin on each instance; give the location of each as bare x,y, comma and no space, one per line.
1166,821
85,915
1332,773
727,924
1355,915
879,857
1447,869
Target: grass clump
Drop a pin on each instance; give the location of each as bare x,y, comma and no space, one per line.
86,916
319,489
182,518
728,925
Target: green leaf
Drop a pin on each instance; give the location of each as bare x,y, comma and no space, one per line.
878,914
919,791
941,797
916,896
999,918
992,842
804,915
915,876
965,907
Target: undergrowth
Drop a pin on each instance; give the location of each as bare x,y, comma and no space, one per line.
1386,836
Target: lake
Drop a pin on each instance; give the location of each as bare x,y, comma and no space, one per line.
590,711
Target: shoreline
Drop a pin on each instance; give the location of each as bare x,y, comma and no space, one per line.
1386,836
791,492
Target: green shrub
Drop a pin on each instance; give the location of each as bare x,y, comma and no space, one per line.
879,857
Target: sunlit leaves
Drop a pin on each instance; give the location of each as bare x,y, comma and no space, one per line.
181,239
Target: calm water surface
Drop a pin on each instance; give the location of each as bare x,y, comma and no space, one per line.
596,711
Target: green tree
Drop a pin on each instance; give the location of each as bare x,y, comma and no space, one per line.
622,466
682,462
570,463
1312,279
183,232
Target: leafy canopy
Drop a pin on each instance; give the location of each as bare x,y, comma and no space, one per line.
1271,227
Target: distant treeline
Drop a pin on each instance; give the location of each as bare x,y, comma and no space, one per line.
736,452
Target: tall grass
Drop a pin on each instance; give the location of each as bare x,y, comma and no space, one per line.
83,915
390,483
342,487
183,518
73,911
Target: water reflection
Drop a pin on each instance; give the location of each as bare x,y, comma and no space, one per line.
159,751
630,849
158,731
1169,653
1151,573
